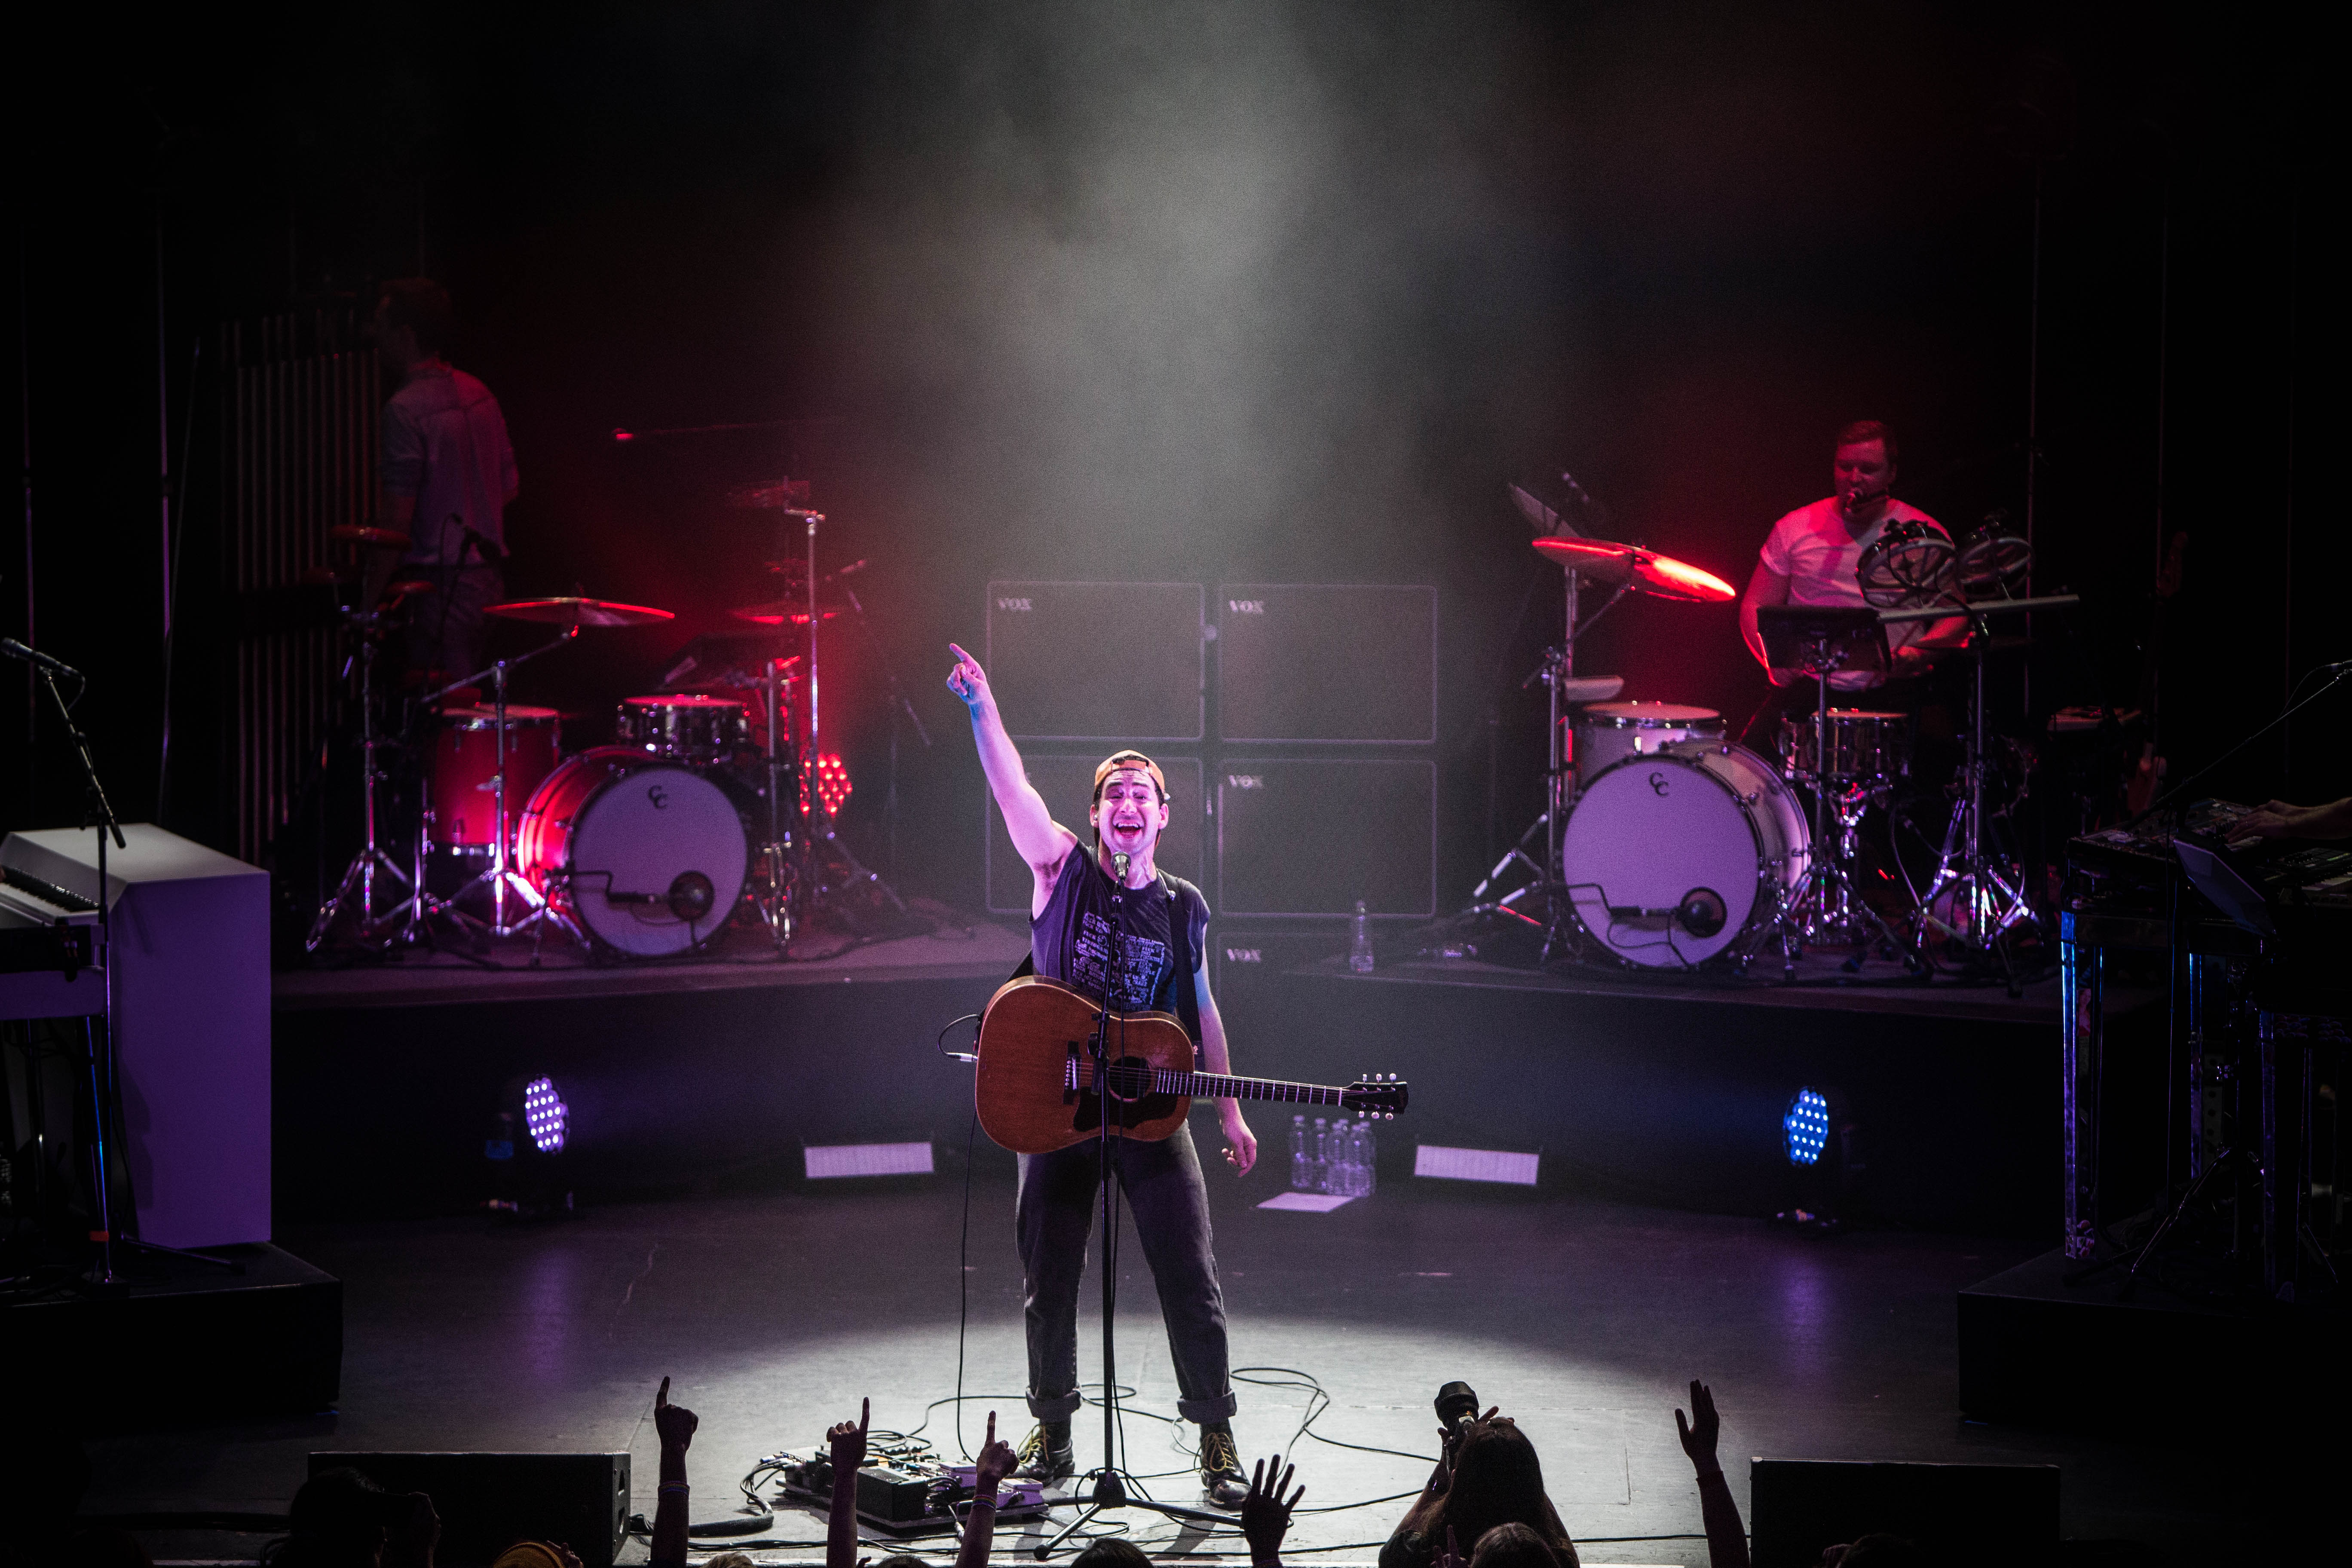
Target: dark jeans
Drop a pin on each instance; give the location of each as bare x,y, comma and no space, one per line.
1056,1209
446,628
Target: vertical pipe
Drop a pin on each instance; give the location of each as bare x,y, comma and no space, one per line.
2081,1022
25,461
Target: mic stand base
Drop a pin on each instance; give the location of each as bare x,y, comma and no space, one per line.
1110,1492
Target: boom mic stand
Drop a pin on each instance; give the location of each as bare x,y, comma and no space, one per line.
1110,1482
105,1076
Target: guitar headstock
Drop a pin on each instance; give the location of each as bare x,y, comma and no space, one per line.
1376,1097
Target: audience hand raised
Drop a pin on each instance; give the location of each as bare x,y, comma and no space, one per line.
1700,1432
995,1462
848,1442
1266,1513
673,1424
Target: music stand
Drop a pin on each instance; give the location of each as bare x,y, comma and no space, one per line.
1821,641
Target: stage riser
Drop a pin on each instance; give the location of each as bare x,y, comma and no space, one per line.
1680,1101
386,1109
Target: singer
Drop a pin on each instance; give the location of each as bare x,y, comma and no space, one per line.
448,478
1109,921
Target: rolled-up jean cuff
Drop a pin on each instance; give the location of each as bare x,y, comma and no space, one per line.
1201,1409
1058,1407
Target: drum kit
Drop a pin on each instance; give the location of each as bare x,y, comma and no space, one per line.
711,803
1666,846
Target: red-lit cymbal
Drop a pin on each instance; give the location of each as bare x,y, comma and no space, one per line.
1645,570
788,496
783,612
576,612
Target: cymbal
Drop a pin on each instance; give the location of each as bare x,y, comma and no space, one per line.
770,494
577,612
784,613
367,533
1645,570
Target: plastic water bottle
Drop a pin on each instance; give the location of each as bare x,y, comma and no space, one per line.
1359,941
1367,1158
1320,1157
1302,1173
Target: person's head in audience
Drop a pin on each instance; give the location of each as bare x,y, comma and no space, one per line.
1111,1552
550,1554
1513,1545
1877,1550
731,1559
1497,1479
337,1521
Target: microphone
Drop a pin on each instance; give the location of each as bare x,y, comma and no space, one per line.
1702,912
488,549
1118,863
856,565
15,650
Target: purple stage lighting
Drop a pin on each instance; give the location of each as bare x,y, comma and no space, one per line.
545,1114
1805,1128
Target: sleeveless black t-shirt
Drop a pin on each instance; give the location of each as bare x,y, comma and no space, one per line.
1070,940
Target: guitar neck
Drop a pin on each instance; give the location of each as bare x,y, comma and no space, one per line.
1210,1085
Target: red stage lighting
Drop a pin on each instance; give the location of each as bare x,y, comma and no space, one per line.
832,784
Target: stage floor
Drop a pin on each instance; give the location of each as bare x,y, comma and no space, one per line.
775,1312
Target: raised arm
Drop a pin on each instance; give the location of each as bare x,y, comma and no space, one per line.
995,1462
1042,842
1727,1538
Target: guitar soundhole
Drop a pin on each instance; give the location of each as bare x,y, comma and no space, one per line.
1130,1079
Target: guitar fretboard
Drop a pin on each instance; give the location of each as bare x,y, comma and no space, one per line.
1206,1085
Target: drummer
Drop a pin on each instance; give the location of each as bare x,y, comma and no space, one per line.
1812,556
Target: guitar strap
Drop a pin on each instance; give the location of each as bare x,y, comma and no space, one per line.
1179,949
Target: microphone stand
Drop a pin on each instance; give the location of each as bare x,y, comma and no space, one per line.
1110,1482
105,1075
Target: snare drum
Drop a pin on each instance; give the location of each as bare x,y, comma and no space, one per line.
1674,859
1862,744
694,729
465,767
644,855
1605,734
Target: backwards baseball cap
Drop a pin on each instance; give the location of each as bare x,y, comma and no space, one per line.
1119,762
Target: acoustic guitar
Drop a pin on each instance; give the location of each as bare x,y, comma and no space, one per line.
1035,1086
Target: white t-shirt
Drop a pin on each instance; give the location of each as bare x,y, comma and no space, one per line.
1821,557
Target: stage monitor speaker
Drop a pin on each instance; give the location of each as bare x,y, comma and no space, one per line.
1120,662
1957,1514
1310,837
1329,663
1067,782
489,1501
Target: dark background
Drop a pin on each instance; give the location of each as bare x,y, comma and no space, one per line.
1256,294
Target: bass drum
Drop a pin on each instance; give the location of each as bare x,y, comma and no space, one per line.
647,857
1673,858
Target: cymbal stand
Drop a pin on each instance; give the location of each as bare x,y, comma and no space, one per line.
501,876
1557,669
356,895
1827,903
773,900
1983,898
818,841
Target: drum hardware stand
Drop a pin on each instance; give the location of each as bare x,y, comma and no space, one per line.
1557,670
773,904
502,877
1821,642
1967,873
357,890
817,838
